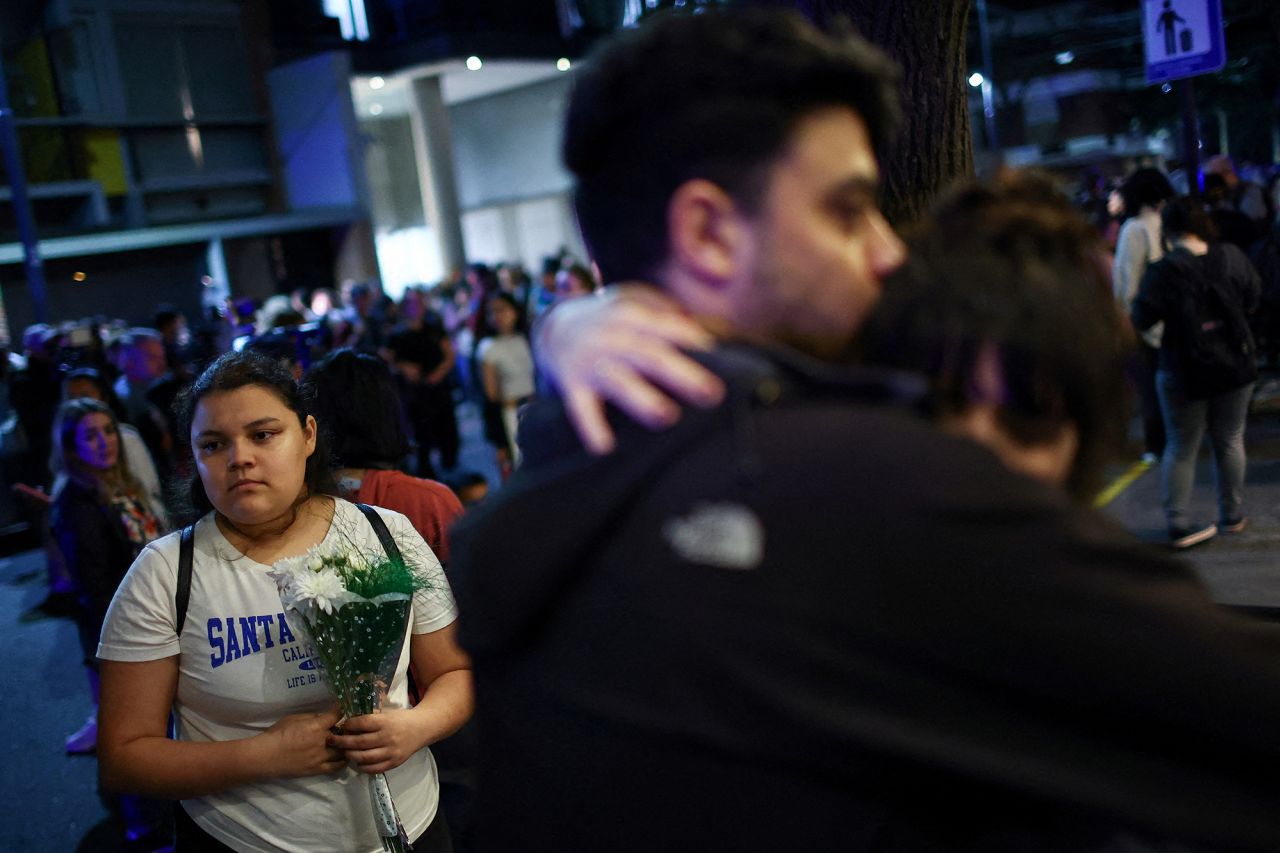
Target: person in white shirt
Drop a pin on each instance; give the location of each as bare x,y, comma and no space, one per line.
255,763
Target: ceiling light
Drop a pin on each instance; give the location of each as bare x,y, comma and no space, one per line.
376,82
375,110
1064,58
563,64
474,63
976,79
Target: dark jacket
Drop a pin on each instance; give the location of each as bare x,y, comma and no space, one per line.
809,621
1163,294
94,543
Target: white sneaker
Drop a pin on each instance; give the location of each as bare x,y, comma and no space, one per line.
85,740
1182,538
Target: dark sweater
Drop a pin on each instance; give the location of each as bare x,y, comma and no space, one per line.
809,621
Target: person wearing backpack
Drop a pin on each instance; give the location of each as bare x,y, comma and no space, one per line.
1204,292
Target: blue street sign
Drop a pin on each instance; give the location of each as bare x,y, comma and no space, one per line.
1183,38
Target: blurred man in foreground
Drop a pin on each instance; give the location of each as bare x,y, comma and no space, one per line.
808,618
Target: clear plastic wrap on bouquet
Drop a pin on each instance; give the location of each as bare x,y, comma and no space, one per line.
355,608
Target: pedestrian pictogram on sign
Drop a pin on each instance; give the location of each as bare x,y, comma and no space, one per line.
1183,38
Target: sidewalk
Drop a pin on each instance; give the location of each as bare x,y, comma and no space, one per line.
51,798
1241,569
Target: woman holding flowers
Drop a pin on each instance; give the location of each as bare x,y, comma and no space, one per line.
255,762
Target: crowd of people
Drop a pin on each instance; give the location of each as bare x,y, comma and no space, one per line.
794,547
1199,276
435,340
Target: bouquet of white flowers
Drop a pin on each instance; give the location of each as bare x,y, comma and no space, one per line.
355,607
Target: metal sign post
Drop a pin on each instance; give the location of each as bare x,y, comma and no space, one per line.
1184,38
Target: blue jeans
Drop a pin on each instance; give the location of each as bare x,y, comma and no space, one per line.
1185,421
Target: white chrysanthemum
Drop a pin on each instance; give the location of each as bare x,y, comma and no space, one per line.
322,588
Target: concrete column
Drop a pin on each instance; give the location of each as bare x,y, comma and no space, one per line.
433,151
357,255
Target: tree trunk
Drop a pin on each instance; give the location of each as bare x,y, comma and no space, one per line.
927,37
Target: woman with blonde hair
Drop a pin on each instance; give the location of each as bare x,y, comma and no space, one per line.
101,519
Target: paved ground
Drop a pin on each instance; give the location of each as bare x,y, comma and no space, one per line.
51,803
1242,569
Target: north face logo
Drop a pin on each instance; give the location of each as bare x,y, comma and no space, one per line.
725,535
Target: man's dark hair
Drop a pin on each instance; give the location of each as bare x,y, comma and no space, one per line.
136,336
358,404
1188,216
1145,187
1011,268
106,392
164,316
236,370
715,95
507,299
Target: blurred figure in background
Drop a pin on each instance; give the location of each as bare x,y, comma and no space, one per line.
1244,196
360,324
171,324
506,365
424,358
1203,292
470,486
1139,245
34,393
141,359
544,291
356,403
1231,224
573,281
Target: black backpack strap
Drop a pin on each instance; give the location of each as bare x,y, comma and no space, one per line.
380,527
186,556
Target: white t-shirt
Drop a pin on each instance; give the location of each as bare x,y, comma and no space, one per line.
511,358
244,666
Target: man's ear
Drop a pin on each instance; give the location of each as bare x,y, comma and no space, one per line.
705,232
